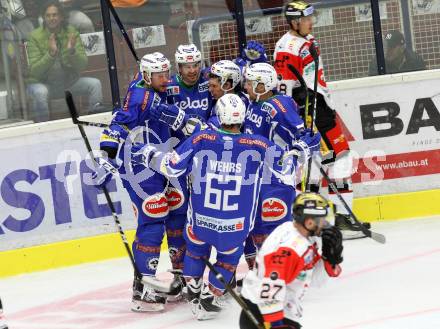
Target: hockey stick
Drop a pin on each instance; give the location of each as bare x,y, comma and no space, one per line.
234,295
315,56
122,29
156,284
375,236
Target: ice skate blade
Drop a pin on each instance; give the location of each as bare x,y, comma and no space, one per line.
144,307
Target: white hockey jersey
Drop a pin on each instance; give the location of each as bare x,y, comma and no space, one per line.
287,264
294,50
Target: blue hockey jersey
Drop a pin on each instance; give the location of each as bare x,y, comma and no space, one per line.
276,118
225,172
133,119
194,100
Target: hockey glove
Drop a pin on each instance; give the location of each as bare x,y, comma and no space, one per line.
104,171
306,144
170,115
141,154
192,126
254,53
332,245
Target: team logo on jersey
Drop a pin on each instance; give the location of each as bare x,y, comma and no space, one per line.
204,87
173,90
192,237
175,198
135,210
156,206
152,263
273,209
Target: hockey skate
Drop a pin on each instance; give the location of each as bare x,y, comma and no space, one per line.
209,305
146,299
177,286
191,293
349,228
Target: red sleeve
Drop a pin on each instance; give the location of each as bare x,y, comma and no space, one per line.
285,262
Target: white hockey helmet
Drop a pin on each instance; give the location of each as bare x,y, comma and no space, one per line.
230,110
227,70
188,54
152,63
262,73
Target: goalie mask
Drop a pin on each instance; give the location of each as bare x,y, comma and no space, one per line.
230,110
153,63
314,206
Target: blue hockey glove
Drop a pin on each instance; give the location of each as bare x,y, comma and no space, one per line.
254,52
141,154
170,115
104,171
307,144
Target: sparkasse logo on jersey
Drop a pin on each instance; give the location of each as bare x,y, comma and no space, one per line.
220,225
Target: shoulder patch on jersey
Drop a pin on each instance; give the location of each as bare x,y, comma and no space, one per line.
203,87
145,101
253,142
208,137
173,90
280,105
269,109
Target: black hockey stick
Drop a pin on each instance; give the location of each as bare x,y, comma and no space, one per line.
122,29
234,295
149,280
375,236
315,57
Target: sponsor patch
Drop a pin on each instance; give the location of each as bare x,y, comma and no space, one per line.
273,209
192,237
173,90
175,198
127,101
255,142
204,87
145,101
156,206
220,225
280,105
204,136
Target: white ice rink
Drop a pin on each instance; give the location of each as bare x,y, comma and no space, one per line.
396,285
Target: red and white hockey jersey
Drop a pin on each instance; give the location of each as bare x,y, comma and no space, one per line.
291,49
287,264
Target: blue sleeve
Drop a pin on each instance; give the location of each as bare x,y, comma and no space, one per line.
285,112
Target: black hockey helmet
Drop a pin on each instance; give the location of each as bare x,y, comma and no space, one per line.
315,206
297,9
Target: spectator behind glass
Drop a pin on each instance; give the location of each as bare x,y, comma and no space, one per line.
137,13
56,58
398,58
77,18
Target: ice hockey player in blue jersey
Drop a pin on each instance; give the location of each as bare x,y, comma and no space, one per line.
144,118
226,169
224,78
275,117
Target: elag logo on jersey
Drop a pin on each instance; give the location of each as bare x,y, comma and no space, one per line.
175,198
156,206
273,209
201,104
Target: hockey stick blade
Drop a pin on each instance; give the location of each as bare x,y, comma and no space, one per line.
373,235
71,106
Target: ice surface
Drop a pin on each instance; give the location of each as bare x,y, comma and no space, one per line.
395,285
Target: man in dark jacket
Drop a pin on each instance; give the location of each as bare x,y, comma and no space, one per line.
56,58
398,58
